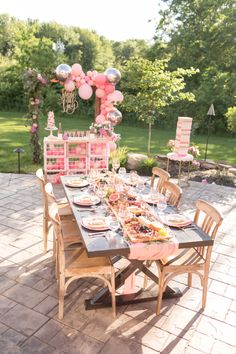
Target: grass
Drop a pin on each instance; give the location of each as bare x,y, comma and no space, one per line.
13,133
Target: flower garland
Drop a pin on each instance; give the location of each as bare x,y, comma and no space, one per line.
33,83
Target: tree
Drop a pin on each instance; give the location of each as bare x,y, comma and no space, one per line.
150,87
129,48
201,33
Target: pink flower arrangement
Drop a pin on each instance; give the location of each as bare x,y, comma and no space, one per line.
193,150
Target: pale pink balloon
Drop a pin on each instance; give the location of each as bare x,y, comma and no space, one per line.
77,79
85,91
100,93
89,73
82,81
82,75
109,88
86,78
100,119
78,84
69,85
100,79
112,146
90,82
76,69
115,96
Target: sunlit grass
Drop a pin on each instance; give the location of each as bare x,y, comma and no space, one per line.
13,133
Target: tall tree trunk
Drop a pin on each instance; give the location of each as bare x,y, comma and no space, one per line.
149,136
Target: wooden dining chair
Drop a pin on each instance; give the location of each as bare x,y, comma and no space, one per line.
193,260
172,192
65,210
70,230
162,177
74,264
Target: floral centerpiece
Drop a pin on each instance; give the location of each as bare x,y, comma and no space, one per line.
104,130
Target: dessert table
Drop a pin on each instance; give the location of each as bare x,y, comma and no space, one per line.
100,246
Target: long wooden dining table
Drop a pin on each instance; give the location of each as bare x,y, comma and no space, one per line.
100,246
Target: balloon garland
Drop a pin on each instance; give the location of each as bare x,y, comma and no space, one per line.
73,78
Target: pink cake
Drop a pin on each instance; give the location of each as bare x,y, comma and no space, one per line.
51,121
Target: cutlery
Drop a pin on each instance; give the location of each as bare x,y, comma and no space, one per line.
92,209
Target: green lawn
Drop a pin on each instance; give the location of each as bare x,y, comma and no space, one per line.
13,133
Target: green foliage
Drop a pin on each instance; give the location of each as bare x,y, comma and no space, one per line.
146,166
129,48
231,119
121,154
201,33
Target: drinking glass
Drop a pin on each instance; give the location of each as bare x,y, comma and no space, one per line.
115,164
122,171
114,225
161,205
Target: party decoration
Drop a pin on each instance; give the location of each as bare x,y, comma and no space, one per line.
100,93
69,85
115,117
63,72
115,96
100,79
76,69
113,75
85,91
69,103
100,119
112,146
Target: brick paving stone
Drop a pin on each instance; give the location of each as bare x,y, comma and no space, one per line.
25,295
217,287
42,284
74,342
201,341
217,306
220,347
8,347
3,328
49,330
6,266
23,319
218,330
14,337
230,292
118,345
5,304
46,305
34,345
174,345
231,318
182,322
5,283
233,306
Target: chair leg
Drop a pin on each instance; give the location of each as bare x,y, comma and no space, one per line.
45,233
190,276
160,292
61,286
204,290
113,295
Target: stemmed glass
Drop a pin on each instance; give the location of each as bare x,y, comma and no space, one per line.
161,205
139,188
122,172
115,164
114,225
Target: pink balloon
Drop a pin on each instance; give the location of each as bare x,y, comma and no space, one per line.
115,96
90,82
85,91
89,73
112,146
69,85
100,119
82,81
76,69
78,84
86,78
109,88
100,93
100,79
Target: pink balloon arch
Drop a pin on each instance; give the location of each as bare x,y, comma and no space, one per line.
103,84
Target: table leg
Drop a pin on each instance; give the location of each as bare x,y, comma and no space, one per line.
103,299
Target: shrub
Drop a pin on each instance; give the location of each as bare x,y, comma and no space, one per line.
121,154
145,167
231,119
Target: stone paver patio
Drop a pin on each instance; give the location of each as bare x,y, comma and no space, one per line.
28,294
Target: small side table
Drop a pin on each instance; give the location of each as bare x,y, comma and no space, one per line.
180,158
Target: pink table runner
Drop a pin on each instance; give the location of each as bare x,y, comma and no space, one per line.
147,252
